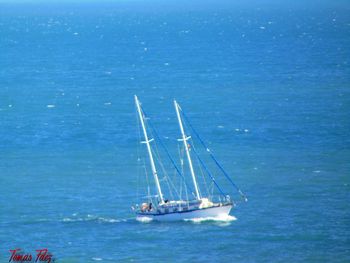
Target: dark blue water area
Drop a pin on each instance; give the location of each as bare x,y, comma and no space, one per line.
266,85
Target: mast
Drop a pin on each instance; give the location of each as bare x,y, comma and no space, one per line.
184,139
154,170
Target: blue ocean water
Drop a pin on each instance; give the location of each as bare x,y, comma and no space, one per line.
266,84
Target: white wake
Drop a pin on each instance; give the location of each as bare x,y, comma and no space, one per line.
144,219
220,218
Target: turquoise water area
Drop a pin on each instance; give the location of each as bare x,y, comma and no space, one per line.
265,84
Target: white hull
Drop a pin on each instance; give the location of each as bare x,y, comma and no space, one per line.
212,212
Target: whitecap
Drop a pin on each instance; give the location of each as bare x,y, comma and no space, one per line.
96,259
50,106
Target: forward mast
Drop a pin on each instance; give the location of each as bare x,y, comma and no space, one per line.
147,142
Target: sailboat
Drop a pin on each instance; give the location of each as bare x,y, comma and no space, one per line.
198,205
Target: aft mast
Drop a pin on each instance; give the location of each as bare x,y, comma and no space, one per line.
184,139
147,141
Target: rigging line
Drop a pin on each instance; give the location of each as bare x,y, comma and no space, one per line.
180,192
159,161
213,158
180,152
166,151
157,156
138,157
211,189
148,189
182,157
200,168
166,176
208,172
183,151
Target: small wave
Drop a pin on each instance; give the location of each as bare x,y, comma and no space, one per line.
220,218
97,259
